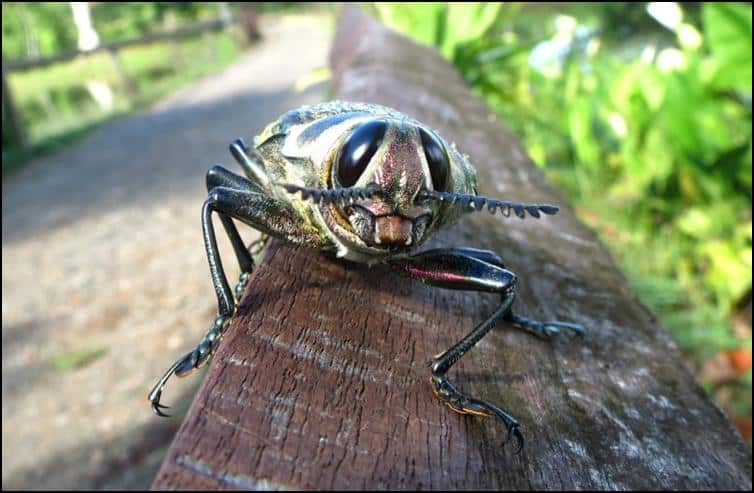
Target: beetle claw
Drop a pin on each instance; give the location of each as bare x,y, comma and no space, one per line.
514,431
157,408
154,399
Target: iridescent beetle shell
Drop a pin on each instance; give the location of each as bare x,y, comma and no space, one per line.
305,148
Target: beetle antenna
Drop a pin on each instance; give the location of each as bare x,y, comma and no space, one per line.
331,195
477,202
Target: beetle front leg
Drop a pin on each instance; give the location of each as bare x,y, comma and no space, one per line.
260,211
217,176
457,269
226,306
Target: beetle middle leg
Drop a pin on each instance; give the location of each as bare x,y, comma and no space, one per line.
546,329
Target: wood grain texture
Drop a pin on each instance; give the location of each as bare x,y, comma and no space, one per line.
322,379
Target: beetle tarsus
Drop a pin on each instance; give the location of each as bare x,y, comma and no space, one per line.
463,404
256,246
243,281
547,329
514,431
205,349
190,361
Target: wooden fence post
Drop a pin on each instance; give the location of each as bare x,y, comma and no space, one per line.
322,379
11,117
129,85
250,22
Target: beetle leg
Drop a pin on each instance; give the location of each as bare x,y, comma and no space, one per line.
546,329
250,161
454,269
485,255
478,270
258,211
226,306
218,176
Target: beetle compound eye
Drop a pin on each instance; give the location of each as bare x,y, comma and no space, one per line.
437,159
358,151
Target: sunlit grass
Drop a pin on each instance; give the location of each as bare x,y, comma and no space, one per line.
78,358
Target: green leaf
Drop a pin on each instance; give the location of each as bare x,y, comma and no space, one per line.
730,270
467,21
697,222
420,21
580,124
728,30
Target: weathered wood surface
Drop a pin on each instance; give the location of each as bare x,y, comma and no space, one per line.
322,379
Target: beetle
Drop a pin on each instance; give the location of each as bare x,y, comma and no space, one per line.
370,184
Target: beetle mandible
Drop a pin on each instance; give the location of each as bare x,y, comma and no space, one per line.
370,184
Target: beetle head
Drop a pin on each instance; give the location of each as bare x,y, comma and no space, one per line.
389,182
396,160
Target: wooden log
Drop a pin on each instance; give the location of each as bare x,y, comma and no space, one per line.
322,379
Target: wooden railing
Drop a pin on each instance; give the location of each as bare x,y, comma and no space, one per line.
114,46
248,20
321,381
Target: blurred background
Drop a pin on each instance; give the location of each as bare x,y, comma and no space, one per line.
112,113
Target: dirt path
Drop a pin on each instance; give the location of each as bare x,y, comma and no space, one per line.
102,253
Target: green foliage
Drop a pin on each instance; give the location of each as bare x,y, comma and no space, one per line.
32,30
648,129
448,26
728,30
53,99
37,29
122,20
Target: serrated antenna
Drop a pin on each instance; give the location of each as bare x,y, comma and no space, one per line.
477,203
342,196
